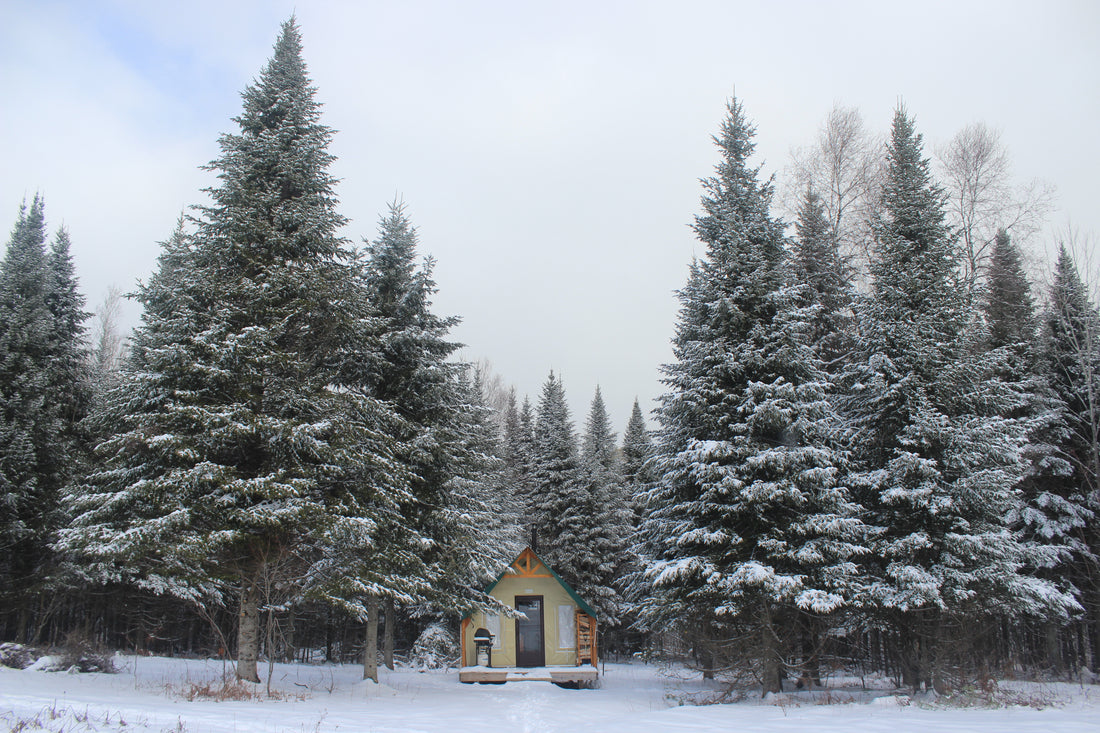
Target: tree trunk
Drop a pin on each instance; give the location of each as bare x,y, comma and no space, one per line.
938,674
290,651
370,644
907,659
704,656
770,669
269,644
328,636
248,631
1054,649
1092,634
811,649
387,639
21,627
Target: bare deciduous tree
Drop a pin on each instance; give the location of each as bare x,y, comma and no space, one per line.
844,167
107,342
493,390
982,197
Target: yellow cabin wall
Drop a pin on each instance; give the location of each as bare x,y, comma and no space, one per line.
510,586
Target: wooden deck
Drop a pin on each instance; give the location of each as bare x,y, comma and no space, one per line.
586,675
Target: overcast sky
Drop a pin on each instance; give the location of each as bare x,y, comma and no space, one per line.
549,153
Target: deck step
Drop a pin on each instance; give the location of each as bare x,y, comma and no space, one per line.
585,674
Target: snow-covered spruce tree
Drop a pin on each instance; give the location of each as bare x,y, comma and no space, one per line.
598,442
556,476
636,450
938,456
517,454
412,372
826,278
70,360
488,509
573,503
1071,361
239,435
637,446
1051,512
597,537
599,457
29,428
42,383
448,439
748,527
1009,308
520,466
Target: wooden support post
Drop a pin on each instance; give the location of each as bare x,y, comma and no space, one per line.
462,642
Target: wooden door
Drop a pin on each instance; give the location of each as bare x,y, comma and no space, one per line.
530,637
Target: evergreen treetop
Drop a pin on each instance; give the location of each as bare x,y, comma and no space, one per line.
915,263
1009,307
637,445
599,440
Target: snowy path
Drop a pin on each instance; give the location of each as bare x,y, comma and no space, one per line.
151,695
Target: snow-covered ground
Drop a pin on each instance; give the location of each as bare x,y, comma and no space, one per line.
157,694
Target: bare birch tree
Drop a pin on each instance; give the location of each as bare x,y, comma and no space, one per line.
844,167
108,344
982,197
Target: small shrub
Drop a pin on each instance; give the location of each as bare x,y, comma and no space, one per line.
229,688
17,656
435,648
81,655
993,695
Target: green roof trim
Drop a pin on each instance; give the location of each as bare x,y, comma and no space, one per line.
572,593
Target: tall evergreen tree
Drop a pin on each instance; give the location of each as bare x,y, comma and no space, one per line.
937,457
484,504
598,445
1071,355
575,504
244,431
518,468
30,427
502,500
1009,307
1052,512
599,552
42,400
570,502
522,463
637,446
748,524
826,278
70,353
556,472
413,372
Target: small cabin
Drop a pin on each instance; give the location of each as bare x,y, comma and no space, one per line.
552,638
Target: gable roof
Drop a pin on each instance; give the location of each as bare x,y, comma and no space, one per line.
529,564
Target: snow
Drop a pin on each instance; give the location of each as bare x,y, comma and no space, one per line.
158,694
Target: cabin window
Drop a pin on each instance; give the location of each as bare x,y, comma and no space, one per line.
492,623
567,631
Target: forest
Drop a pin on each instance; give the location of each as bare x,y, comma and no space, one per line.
878,446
